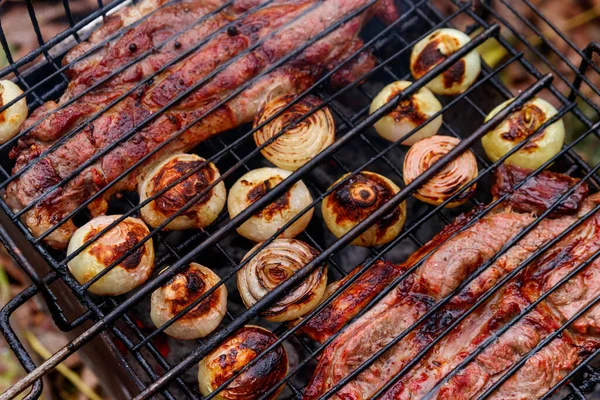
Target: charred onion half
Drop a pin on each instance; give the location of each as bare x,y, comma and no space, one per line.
357,198
435,48
449,180
257,183
270,267
123,277
182,290
519,126
200,214
11,118
235,353
300,142
409,114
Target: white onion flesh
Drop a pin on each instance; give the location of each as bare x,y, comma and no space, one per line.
235,353
125,276
182,290
11,118
261,226
449,180
521,124
199,215
356,199
274,264
437,47
300,142
408,114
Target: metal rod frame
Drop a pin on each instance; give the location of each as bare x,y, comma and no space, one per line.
115,316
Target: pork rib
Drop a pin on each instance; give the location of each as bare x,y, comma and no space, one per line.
547,367
440,274
537,195
276,29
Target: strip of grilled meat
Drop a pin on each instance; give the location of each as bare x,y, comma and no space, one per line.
440,274
278,28
547,367
535,196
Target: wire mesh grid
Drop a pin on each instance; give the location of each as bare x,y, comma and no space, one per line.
234,154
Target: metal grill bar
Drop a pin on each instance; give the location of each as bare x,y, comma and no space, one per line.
358,274
185,176
68,65
14,65
303,273
276,192
13,341
442,302
120,311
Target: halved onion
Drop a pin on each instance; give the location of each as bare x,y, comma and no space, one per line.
261,226
11,118
520,125
200,214
300,143
356,199
125,276
408,114
185,287
449,180
270,267
235,353
435,48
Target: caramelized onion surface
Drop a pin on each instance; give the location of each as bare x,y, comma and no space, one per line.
123,277
409,114
199,215
449,180
273,265
261,226
236,352
356,199
11,118
182,290
521,124
437,47
300,142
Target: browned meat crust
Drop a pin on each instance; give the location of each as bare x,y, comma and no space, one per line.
534,196
547,367
297,21
442,272
355,297
539,194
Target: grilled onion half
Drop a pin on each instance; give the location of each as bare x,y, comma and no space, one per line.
449,180
182,290
270,267
236,352
11,118
434,49
200,214
519,126
123,277
261,226
301,142
356,199
408,114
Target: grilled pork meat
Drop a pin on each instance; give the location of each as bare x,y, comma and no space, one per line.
535,196
547,367
253,45
439,275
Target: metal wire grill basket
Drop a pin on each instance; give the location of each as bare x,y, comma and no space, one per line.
118,330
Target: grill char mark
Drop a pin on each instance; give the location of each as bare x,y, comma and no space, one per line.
438,275
299,22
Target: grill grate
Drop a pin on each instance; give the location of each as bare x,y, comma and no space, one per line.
234,153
